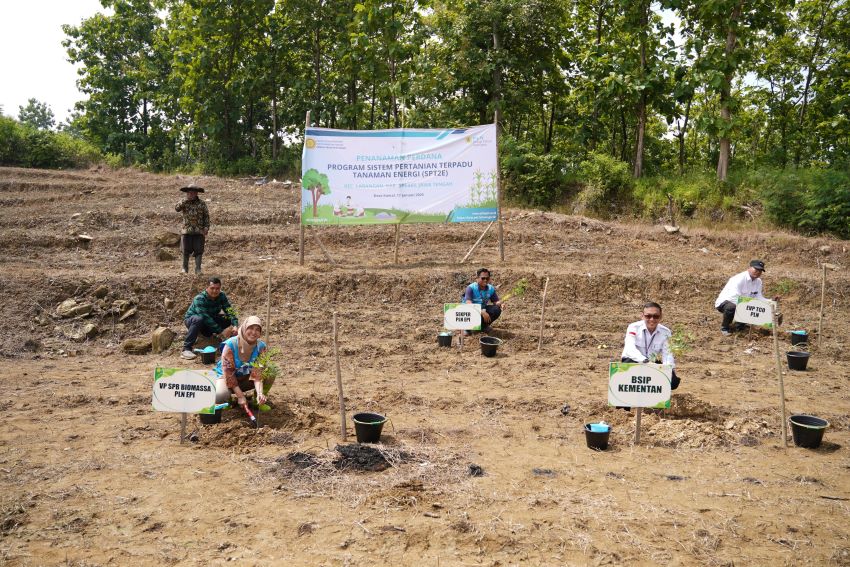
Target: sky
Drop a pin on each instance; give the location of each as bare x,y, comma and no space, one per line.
33,63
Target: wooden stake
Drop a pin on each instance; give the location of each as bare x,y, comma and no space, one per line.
542,314
781,383
322,246
183,428
395,256
301,246
339,380
477,242
496,116
501,240
301,209
269,308
822,297
637,425
670,209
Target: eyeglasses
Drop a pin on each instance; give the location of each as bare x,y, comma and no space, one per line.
483,278
652,315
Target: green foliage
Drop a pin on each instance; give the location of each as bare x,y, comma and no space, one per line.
26,146
784,286
681,341
266,361
813,201
606,181
532,178
36,114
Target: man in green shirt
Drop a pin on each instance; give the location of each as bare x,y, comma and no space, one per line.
209,314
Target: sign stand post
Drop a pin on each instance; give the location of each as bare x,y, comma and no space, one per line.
781,382
395,255
638,413
182,427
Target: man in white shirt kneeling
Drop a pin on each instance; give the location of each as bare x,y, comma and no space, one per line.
648,340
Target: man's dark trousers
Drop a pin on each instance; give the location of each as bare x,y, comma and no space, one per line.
196,325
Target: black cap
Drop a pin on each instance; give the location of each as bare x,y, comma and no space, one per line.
192,187
757,264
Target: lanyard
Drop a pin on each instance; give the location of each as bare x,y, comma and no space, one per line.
651,340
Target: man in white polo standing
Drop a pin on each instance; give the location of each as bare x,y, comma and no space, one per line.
746,283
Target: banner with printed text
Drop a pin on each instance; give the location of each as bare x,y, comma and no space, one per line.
399,176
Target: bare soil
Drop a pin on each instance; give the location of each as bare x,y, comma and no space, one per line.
486,461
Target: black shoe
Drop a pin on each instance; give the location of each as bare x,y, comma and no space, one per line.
626,408
675,383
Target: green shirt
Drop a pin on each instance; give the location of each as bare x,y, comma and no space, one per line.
207,308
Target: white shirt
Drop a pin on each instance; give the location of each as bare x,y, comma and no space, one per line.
740,284
643,346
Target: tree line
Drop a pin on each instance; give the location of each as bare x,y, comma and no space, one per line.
668,87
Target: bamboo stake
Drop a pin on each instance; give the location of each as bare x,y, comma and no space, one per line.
822,297
301,209
637,425
501,240
477,242
182,428
322,246
781,382
397,230
496,116
269,308
301,246
542,313
339,380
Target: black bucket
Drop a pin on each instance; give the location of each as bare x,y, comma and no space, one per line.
210,418
208,357
444,339
799,337
797,360
368,426
807,430
489,345
596,441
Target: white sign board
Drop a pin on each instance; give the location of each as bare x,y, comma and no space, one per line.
639,385
399,176
462,316
752,311
183,391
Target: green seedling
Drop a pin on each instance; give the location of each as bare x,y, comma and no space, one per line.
267,364
518,290
784,286
681,341
232,312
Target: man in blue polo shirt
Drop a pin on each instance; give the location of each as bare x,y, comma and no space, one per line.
482,293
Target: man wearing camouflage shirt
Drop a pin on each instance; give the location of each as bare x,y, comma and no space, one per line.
196,224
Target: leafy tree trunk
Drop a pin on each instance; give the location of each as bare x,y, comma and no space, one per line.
548,146
641,126
810,70
682,132
726,97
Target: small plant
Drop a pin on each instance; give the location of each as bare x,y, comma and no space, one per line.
518,290
681,341
232,312
266,362
784,286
